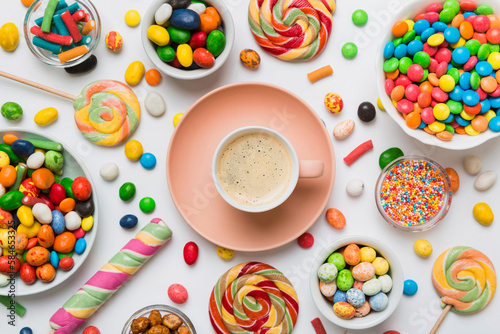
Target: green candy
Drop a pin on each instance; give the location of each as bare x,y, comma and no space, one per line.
338,260
30,173
14,158
11,200
61,255
484,10
409,36
349,50
389,156
359,17
12,111
127,191
455,74
54,161
404,64
446,15
449,128
475,80
20,176
455,106
178,36
397,41
483,52
345,280
216,42
452,5
494,47
166,53
67,183
422,58
390,65
473,46
147,204
426,74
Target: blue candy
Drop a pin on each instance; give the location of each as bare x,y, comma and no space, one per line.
185,19
379,302
54,259
452,34
414,47
339,296
495,102
448,119
23,148
420,26
148,160
80,246
26,330
410,287
58,224
464,80
460,55
461,121
467,14
484,68
128,221
422,125
16,220
456,93
470,98
439,26
389,50
355,297
427,33
485,105
494,124
400,51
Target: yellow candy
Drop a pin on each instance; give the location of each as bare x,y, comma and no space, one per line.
423,248
133,150
6,251
381,266
224,253
368,254
394,103
134,73
6,237
87,223
158,35
441,112
185,55
410,24
483,214
466,115
4,159
435,40
31,232
46,116
25,216
132,18
470,130
489,114
9,36
380,105
461,42
494,60
177,118
446,83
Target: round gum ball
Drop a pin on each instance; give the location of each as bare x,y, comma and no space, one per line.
91,330
338,260
147,204
334,102
386,282
109,171
148,160
349,50
410,287
306,240
355,297
177,293
128,221
379,302
359,17
366,112
422,247
327,272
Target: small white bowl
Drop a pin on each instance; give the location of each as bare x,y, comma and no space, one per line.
459,142
373,318
149,47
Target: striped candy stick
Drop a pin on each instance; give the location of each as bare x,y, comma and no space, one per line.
110,277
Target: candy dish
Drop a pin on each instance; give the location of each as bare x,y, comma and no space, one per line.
164,309
459,142
373,318
37,9
150,49
444,189
189,166
73,167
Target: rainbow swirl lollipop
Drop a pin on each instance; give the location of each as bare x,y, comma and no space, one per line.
107,112
465,279
292,30
251,298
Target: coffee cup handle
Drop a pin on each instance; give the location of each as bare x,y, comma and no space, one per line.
311,168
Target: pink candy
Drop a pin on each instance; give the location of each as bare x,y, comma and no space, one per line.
433,65
470,64
432,17
177,293
439,95
443,54
434,7
427,115
441,69
389,86
411,92
404,106
403,80
431,50
415,72
481,23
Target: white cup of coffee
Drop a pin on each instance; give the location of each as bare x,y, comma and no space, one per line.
255,169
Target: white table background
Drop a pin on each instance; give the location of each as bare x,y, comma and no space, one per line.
354,80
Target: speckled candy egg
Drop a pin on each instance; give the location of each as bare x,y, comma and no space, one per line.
345,280
250,58
386,282
363,310
37,256
381,266
368,254
337,259
46,273
339,296
352,255
372,287
379,302
21,241
363,272
327,272
344,310
358,285
343,129
334,103
355,297
328,289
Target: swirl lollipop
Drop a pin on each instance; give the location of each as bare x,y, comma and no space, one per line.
291,30
465,279
253,297
107,111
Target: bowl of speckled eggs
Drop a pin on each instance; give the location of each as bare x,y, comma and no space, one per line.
438,72
187,39
62,33
413,193
356,282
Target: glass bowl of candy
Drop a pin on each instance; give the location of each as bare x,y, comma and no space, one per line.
436,68
413,193
48,212
187,40
356,282
158,317
62,33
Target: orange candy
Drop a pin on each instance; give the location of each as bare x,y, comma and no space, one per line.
213,12
424,99
27,3
208,23
335,218
67,205
460,130
457,21
400,28
433,79
153,77
429,131
398,93
480,37
43,178
46,273
413,120
444,136
454,178
474,110
466,30
426,87
392,75
37,256
497,76
9,139
489,84
45,236
494,21
8,176
64,242
479,123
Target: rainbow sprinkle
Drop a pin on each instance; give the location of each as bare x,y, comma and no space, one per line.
412,192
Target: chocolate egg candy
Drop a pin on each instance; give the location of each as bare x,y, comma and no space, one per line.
178,35
386,283
72,220
216,42
163,13
338,260
366,112
46,273
27,273
6,219
35,160
11,200
352,254
67,183
85,208
58,224
23,148
42,213
363,310
343,129
20,242
250,58
327,272
28,188
379,302
8,265
363,271
198,40
88,65
203,58
66,263
37,256
81,188
128,221
45,236
54,161
372,287
57,193
355,297
345,280
64,243
185,19
344,310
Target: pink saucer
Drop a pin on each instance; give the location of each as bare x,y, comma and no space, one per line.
193,144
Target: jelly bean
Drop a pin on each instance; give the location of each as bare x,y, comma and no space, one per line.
127,191
134,73
14,158
335,218
133,150
163,13
147,204
185,19
57,193
87,223
64,243
148,161
190,253
166,53
216,42
80,246
177,118
85,208
54,259
66,263
483,214
46,116
25,216
27,273
198,7
82,189
23,148
32,242
11,200
72,220
9,36
199,40
35,160
67,205
410,287
203,58
158,35
225,253
8,176
46,273
208,23
132,18
185,55
177,293
128,221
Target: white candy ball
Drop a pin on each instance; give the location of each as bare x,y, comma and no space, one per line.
73,221
355,187
109,171
35,160
42,213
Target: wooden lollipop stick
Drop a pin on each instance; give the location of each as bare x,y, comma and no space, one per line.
37,85
440,319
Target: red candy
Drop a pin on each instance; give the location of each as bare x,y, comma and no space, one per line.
412,92
433,65
318,326
71,26
198,40
358,152
91,330
480,37
481,23
389,86
31,201
424,99
190,253
419,17
27,273
8,265
66,263
430,50
47,201
203,58
81,188
80,233
441,69
443,54
427,115
404,106
403,80
432,17
439,95
468,6
51,37
470,64
57,193
415,72
493,35
28,188
177,293
306,240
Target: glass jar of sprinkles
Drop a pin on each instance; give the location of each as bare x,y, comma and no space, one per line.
413,193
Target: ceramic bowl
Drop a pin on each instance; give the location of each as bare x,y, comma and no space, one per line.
164,310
